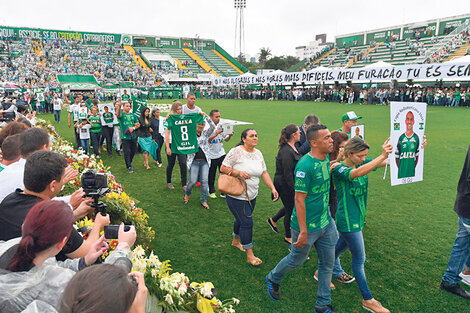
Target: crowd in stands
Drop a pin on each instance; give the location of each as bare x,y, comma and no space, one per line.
37,62
316,56
451,96
450,46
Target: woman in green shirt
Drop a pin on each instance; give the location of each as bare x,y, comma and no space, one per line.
350,178
95,131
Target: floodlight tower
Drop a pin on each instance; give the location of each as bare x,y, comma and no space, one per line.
239,5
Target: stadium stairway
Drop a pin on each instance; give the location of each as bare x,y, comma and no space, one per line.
199,61
137,60
227,61
180,65
324,56
184,59
460,52
367,52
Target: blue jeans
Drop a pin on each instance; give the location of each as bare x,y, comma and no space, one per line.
199,168
355,242
243,225
57,115
85,143
455,103
460,253
324,241
95,142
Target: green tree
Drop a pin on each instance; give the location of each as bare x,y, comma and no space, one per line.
264,54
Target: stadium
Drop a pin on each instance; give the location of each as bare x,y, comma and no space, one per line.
74,103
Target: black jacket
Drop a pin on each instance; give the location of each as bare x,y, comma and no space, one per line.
286,160
462,202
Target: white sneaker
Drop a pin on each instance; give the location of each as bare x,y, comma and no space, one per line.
465,278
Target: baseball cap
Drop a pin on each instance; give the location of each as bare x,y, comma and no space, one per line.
350,116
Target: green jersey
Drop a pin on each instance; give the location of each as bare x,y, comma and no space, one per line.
183,132
312,176
126,121
352,198
341,130
457,96
108,118
2,167
126,98
407,152
138,105
95,121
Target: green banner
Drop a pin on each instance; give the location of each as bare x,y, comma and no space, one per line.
37,33
424,31
448,26
187,43
382,36
143,41
172,43
349,41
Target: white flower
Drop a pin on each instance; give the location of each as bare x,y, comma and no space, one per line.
139,251
206,291
165,283
182,289
153,260
230,309
154,273
169,299
236,301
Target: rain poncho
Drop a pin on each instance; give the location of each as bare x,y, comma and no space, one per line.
39,289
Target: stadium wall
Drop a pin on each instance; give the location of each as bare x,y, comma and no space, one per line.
230,58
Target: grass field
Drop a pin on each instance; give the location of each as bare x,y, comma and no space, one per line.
409,233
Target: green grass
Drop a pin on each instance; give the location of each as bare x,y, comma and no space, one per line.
409,233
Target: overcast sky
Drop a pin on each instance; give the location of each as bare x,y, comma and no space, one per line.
278,25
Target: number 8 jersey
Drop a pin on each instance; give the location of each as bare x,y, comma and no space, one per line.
183,132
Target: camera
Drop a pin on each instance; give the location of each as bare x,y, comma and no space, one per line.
95,185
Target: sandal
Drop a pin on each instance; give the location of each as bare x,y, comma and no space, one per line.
239,248
206,206
185,200
255,262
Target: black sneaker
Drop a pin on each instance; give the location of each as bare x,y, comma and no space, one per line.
130,170
327,309
345,278
273,290
456,289
118,152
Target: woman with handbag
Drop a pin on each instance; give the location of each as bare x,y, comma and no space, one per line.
245,162
284,180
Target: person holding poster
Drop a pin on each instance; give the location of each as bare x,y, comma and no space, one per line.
461,249
349,119
351,181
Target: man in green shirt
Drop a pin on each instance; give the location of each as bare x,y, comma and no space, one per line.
128,123
311,222
349,119
406,155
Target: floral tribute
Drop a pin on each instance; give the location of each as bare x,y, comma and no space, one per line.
173,291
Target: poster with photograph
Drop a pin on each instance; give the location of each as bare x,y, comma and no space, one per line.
108,115
407,125
358,131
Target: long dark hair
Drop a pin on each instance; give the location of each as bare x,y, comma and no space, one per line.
94,290
286,134
338,138
243,136
47,223
142,115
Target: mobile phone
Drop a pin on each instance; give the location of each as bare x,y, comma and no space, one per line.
112,231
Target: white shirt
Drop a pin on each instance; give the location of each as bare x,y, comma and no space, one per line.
252,163
216,147
57,104
187,110
84,131
74,108
11,178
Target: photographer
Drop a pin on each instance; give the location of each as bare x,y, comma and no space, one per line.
44,176
29,273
